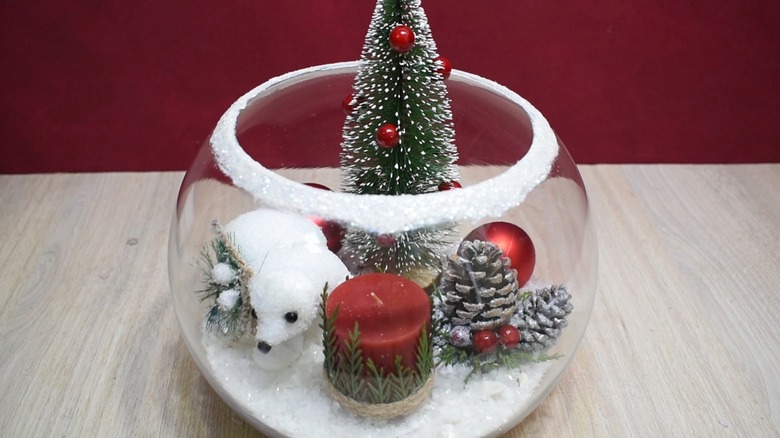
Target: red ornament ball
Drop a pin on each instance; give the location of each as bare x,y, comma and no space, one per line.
514,242
509,335
460,336
443,66
484,341
348,104
386,240
387,136
449,185
402,39
333,231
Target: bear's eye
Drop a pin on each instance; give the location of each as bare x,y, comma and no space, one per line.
291,317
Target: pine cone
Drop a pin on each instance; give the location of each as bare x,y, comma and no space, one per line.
478,287
541,318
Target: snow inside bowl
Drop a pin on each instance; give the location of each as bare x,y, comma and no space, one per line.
258,265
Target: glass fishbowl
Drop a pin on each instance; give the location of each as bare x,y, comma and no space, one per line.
314,311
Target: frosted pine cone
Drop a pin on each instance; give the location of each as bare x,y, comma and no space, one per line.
541,318
478,287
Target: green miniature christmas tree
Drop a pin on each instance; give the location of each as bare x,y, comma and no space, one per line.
398,137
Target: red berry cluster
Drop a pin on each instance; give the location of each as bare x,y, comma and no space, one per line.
486,341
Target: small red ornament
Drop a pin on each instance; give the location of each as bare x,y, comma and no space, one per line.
509,336
348,104
402,39
386,240
387,136
514,242
443,66
449,185
460,336
484,341
333,231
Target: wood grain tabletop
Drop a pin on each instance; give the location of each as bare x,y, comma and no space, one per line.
683,339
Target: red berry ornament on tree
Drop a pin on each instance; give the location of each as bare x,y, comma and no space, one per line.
449,185
443,66
514,242
484,341
348,104
385,240
387,136
402,39
509,336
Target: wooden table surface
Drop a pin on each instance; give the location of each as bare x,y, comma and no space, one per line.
683,339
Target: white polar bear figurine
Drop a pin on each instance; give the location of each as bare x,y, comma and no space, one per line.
291,265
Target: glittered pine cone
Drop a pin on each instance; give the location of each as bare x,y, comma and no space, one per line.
479,289
541,318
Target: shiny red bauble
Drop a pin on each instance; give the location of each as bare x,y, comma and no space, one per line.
333,231
402,39
514,242
386,240
484,341
509,336
348,104
449,185
443,66
387,136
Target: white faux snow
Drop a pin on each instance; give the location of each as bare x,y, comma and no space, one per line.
227,299
406,212
294,401
223,274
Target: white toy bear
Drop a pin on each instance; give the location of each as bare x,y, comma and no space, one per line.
291,262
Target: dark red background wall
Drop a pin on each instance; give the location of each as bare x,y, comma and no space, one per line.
108,85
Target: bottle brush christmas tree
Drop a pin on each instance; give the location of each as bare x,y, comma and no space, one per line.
398,137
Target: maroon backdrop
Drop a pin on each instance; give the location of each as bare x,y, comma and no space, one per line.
109,85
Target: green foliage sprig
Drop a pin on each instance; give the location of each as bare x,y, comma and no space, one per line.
232,322
360,379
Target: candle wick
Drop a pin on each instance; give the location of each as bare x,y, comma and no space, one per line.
379,302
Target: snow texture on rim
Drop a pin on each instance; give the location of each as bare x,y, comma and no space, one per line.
385,213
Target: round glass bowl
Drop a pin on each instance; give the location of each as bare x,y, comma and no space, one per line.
253,190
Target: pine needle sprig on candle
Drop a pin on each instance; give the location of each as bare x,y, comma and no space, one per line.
424,358
351,361
378,388
328,334
402,381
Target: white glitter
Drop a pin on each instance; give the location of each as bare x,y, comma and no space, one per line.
294,401
227,299
223,274
406,212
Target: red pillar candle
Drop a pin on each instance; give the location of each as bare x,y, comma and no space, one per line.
390,311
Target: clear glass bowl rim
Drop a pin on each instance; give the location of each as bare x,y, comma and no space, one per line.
494,196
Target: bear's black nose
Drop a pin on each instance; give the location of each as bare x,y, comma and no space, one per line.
263,347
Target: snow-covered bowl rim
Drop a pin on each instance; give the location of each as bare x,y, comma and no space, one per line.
385,213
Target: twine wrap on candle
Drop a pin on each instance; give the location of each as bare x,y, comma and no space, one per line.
382,411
